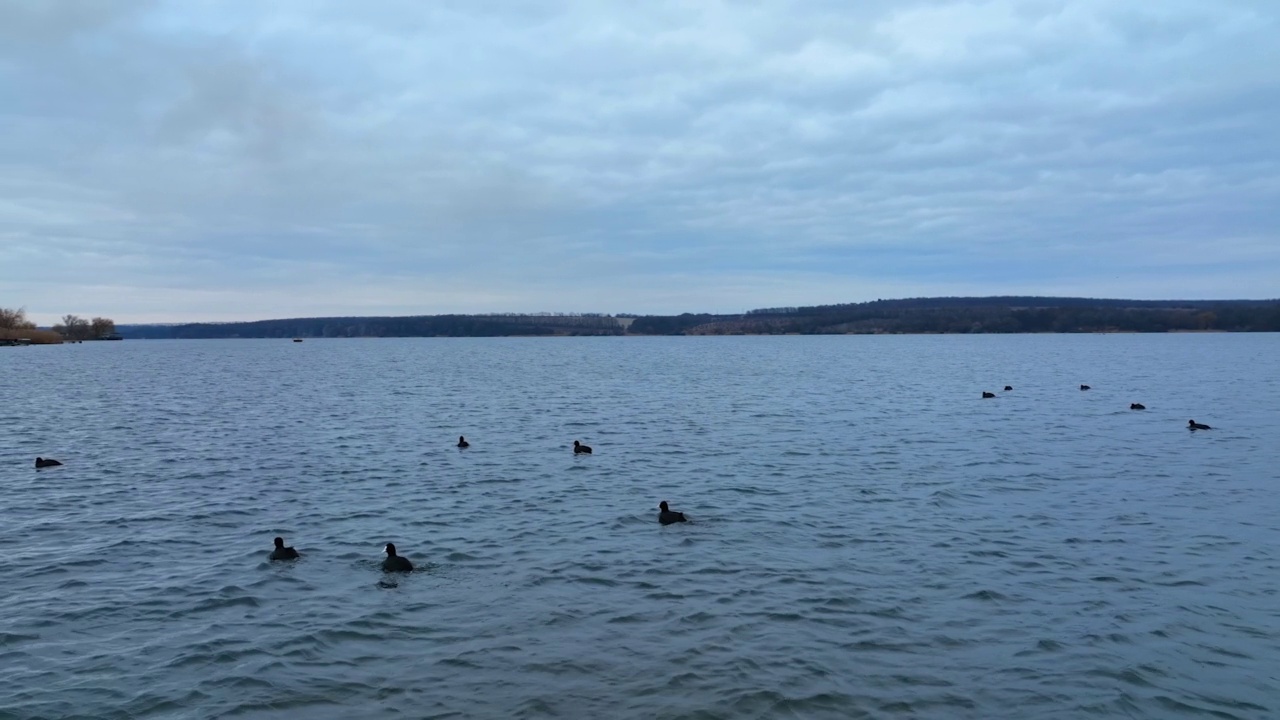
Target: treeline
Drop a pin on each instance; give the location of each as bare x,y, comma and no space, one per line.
918,315
1019,315
673,324
1010,301
76,328
412,326
14,326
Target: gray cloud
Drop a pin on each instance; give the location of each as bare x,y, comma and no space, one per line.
163,161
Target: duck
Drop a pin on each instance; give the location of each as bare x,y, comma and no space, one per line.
462,442
666,515
394,562
1193,425
1085,387
283,553
579,448
988,395
46,462
1007,388
1137,406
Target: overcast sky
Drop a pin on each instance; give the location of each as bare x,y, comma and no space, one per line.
218,160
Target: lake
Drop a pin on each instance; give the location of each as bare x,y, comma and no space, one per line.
869,538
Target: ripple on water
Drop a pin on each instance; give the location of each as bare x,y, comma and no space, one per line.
867,540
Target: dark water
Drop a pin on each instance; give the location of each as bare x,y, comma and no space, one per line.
870,539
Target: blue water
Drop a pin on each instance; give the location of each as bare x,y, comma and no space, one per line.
868,538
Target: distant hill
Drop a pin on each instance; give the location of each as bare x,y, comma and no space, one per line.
1005,314
1009,314
408,326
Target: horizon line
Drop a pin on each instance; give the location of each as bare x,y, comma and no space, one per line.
730,314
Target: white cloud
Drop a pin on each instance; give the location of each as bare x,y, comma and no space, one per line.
177,160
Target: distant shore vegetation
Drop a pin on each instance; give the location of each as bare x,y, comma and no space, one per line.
14,327
953,315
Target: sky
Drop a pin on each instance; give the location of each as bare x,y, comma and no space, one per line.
202,160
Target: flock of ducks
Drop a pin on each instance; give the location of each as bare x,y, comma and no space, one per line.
399,563
1191,424
666,516
393,563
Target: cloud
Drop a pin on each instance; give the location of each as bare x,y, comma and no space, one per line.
174,161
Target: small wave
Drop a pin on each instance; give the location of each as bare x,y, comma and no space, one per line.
217,604
1186,708
8,638
1129,676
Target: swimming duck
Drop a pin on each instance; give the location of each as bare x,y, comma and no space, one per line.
1007,388
1193,425
46,462
462,442
988,395
666,515
1137,406
1085,387
579,448
283,553
395,563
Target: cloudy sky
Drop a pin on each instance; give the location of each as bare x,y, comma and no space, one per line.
218,160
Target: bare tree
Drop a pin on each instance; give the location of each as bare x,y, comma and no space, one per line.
74,327
102,327
15,319
68,326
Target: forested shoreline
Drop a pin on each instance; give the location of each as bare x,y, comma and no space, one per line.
15,328
908,316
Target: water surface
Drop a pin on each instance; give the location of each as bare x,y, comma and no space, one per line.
869,537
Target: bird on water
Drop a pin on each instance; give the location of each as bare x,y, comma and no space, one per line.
1137,406
580,449
666,515
1193,425
1007,388
46,462
283,553
1085,387
394,562
462,442
988,395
